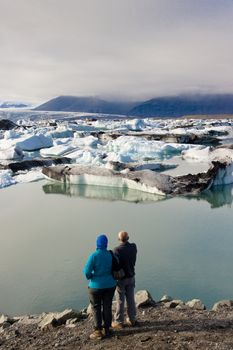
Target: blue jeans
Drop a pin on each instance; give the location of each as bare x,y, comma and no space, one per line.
125,290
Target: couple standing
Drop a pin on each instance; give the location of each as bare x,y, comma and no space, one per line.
102,285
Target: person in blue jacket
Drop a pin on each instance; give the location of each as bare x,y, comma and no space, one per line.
101,287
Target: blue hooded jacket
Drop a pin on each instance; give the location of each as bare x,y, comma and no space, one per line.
98,268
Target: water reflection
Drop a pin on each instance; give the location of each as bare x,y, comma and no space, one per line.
100,192
185,247
217,197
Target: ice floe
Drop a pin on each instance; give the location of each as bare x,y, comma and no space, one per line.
57,150
13,152
6,178
30,176
121,145
197,154
35,142
138,148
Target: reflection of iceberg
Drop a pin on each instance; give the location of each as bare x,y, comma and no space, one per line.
217,196
97,192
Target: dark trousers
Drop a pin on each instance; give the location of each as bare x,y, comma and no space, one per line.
101,302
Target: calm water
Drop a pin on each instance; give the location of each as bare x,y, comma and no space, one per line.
185,245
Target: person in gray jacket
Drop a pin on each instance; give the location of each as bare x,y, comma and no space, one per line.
126,253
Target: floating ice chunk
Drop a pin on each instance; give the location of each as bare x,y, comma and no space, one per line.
86,157
11,134
30,176
198,155
136,124
6,179
88,141
64,141
61,132
56,150
118,157
222,154
224,176
12,152
138,148
82,127
35,142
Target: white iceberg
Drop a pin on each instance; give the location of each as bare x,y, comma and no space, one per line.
197,155
137,148
61,132
57,150
35,142
86,157
11,134
30,176
88,141
13,152
6,178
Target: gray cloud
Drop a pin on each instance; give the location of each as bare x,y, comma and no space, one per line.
121,48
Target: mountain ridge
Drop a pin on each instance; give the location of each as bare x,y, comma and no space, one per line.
165,106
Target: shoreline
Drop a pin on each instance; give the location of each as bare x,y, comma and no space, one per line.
164,324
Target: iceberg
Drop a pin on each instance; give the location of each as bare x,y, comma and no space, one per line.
30,176
6,178
61,132
144,180
35,142
88,141
56,151
13,152
11,134
197,155
136,148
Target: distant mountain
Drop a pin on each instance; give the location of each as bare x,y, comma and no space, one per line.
10,104
177,106
168,106
86,104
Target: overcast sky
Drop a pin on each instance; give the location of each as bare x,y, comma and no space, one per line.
114,48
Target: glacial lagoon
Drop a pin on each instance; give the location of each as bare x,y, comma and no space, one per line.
185,244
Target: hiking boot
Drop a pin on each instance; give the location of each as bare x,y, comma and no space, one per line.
117,325
107,332
96,335
131,323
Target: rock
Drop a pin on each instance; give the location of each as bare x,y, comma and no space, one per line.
223,304
5,318
48,322
89,310
4,325
174,303
6,124
30,319
166,298
196,304
33,163
143,299
71,323
182,307
67,314
52,320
